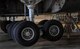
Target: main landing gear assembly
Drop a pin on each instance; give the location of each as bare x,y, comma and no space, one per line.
27,32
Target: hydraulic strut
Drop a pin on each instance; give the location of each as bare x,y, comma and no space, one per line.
30,4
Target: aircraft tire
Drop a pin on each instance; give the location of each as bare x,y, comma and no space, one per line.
42,22
53,30
10,28
4,24
26,33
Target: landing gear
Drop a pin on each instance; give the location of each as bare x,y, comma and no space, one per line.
53,30
26,33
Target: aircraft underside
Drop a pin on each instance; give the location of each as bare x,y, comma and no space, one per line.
16,7
26,32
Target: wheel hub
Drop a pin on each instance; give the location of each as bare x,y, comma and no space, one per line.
54,30
27,33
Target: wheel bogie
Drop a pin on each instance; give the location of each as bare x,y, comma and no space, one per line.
27,33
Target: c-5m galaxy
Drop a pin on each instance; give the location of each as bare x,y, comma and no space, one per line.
26,32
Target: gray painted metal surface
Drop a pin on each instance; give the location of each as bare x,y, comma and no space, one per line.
71,6
64,5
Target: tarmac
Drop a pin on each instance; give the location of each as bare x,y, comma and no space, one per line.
64,43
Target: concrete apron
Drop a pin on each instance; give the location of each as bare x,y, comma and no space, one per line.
3,36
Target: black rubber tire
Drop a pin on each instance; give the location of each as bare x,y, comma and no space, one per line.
46,27
10,27
16,33
42,22
4,24
40,25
